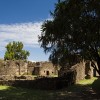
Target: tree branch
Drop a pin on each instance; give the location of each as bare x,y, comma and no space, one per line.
94,66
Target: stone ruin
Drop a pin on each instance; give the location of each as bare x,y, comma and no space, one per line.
81,70
45,69
13,68
19,73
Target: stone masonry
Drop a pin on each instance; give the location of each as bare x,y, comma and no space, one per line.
20,67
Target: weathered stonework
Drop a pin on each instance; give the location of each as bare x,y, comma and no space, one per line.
45,69
20,67
81,70
12,68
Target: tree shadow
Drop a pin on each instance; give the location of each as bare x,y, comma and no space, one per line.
75,92
96,86
13,93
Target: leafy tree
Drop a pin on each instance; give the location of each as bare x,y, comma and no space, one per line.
14,51
73,32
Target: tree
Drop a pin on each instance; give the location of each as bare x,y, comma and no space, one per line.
14,51
73,32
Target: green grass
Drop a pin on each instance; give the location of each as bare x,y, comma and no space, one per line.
96,85
82,83
53,75
13,93
87,81
4,87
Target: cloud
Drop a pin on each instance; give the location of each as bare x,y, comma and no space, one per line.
24,32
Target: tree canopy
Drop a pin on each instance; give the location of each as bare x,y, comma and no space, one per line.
14,51
73,31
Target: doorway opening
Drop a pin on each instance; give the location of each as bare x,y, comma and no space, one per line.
47,73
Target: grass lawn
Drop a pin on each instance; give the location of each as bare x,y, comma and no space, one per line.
74,92
82,83
96,85
13,93
87,81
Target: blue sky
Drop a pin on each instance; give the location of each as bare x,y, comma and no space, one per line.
21,20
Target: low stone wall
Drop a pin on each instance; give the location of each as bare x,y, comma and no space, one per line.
45,83
6,77
14,77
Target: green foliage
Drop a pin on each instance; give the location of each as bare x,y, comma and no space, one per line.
14,51
74,32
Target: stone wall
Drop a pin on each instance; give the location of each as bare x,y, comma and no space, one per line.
3,69
81,70
11,67
20,67
30,67
89,71
45,69
45,83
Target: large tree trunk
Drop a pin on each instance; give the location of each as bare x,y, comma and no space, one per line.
98,63
96,67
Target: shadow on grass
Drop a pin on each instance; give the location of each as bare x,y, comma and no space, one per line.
96,86
13,93
75,92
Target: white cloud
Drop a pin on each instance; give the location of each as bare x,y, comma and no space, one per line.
24,32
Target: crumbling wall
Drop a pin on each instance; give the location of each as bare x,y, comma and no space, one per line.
3,69
10,67
79,70
48,69
45,69
20,67
30,67
89,71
